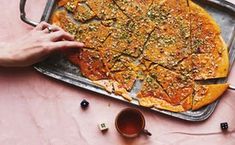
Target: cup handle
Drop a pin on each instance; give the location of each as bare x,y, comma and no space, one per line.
146,132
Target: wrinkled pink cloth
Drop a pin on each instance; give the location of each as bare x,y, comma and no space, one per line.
38,110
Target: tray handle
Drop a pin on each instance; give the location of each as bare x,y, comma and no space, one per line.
231,87
23,14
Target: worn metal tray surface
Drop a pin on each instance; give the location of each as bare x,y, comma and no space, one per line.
59,68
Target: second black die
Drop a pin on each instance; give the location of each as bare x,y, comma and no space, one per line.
224,126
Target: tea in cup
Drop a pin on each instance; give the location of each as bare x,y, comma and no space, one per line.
130,122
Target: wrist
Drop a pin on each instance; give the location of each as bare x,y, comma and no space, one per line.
5,55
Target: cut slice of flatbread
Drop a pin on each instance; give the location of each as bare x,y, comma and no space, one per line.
160,104
83,13
153,95
126,78
120,90
206,94
178,87
206,40
168,56
222,60
133,8
150,89
113,60
61,19
124,42
89,62
204,66
105,84
62,2
104,9
204,31
92,34
113,86
169,43
70,5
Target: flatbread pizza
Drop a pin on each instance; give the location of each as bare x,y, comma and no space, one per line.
168,46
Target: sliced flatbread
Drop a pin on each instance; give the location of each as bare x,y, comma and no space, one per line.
202,66
206,94
112,86
153,95
164,49
119,90
61,19
71,5
206,40
105,84
160,104
69,2
83,13
115,61
135,9
178,87
92,34
104,9
169,43
126,78
204,31
164,11
151,89
62,2
124,42
90,64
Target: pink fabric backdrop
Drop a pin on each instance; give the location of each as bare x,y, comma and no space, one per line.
38,110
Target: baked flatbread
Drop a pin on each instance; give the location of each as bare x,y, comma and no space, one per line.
61,19
112,86
177,87
92,34
133,8
206,94
205,66
169,45
90,64
126,78
104,9
83,13
150,91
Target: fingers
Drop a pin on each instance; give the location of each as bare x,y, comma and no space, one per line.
65,45
44,25
60,35
55,33
59,39
53,28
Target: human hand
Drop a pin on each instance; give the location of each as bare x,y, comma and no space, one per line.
36,46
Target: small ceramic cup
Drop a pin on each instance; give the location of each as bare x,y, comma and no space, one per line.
130,122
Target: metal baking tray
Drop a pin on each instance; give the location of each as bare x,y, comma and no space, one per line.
59,68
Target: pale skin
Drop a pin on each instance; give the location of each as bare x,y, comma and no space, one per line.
35,46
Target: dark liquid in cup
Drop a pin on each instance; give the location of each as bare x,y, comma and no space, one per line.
130,122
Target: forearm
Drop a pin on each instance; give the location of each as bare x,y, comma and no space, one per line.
15,54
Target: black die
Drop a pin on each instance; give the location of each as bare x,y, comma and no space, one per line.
84,104
224,126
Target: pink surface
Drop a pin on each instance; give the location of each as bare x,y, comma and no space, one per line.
37,110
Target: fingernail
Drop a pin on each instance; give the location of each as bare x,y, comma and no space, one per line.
82,44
